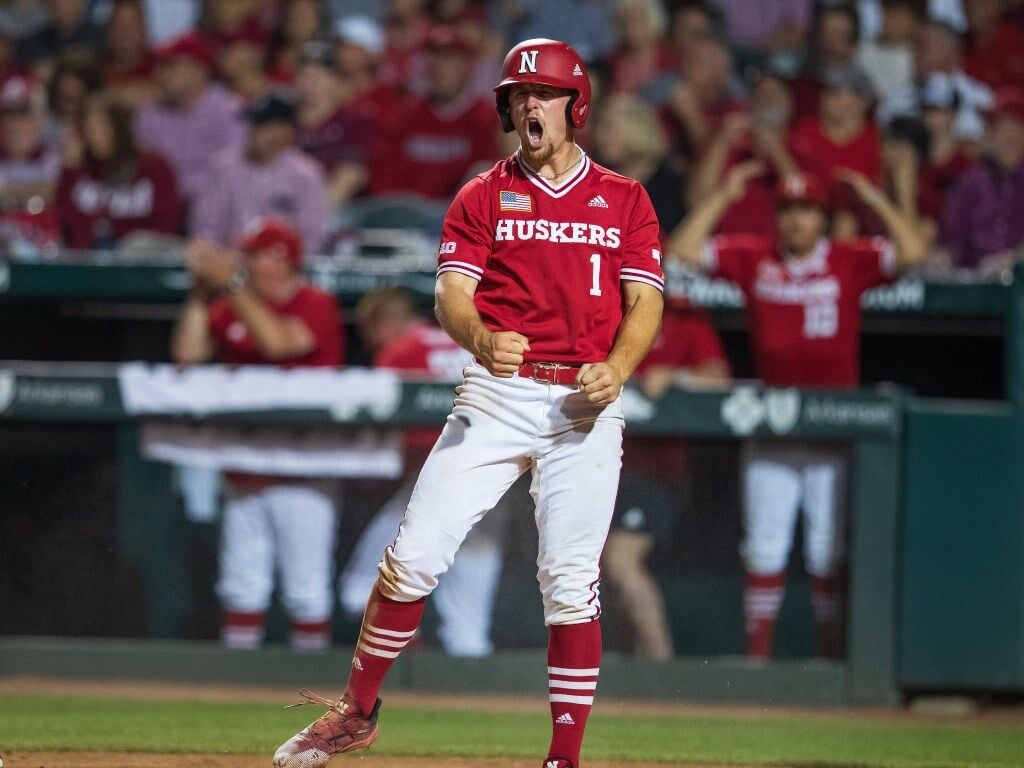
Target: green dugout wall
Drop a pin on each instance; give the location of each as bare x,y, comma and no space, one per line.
871,421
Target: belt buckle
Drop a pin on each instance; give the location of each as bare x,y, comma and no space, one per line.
552,367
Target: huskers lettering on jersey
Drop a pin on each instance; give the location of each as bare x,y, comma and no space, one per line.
557,232
804,315
551,260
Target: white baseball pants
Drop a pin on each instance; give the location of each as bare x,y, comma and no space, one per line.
498,429
464,598
287,528
779,481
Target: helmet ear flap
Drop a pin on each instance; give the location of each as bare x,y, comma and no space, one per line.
504,111
569,105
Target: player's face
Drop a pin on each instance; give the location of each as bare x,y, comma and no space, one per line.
269,269
801,226
538,113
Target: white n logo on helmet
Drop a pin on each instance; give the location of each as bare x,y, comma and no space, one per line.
528,62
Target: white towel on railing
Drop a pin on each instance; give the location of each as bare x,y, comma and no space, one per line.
210,389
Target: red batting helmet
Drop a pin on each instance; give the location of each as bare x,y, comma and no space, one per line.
545,62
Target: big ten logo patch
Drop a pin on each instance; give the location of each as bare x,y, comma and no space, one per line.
446,248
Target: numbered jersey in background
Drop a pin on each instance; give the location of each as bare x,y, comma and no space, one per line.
550,260
804,315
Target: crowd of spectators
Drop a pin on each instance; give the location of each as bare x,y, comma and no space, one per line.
174,118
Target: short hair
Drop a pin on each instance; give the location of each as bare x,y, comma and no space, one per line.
387,302
913,131
847,9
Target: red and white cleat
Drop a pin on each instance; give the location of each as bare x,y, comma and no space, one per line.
340,729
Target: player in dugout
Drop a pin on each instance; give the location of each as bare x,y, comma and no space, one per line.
549,273
803,297
251,306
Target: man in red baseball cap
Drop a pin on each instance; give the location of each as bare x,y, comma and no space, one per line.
251,306
803,311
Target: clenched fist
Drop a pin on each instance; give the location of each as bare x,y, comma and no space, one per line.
501,352
600,382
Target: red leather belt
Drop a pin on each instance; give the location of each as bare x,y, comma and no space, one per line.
550,373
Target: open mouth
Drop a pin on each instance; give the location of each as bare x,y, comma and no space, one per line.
535,131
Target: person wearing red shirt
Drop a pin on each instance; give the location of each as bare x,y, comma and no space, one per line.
803,311
549,274
687,353
331,128
402,340
842,137
429,145
251,306
993,45
108,188
742,136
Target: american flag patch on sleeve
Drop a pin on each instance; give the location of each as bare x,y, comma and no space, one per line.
513,201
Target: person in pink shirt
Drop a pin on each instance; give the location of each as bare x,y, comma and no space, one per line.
267,176
193,119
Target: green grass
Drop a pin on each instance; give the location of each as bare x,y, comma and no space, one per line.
47,723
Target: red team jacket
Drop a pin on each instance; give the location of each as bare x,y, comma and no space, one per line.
318,310
550,259
804,317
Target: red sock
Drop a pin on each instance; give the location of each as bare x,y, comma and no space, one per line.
827,602
311,635
574,659
242,631
388,626
762,599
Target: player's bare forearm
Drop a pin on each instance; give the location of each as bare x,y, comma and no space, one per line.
501,352
278,338
687,241
602,382
911,247
191,342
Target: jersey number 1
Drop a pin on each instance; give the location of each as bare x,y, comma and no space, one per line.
595,286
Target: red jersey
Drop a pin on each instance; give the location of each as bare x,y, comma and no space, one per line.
429,150
550,259
686,340
803,316
819,156
94,212
423,349
318,310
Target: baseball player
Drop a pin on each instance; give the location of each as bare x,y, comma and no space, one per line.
252,307
464,599
803,314
550,275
